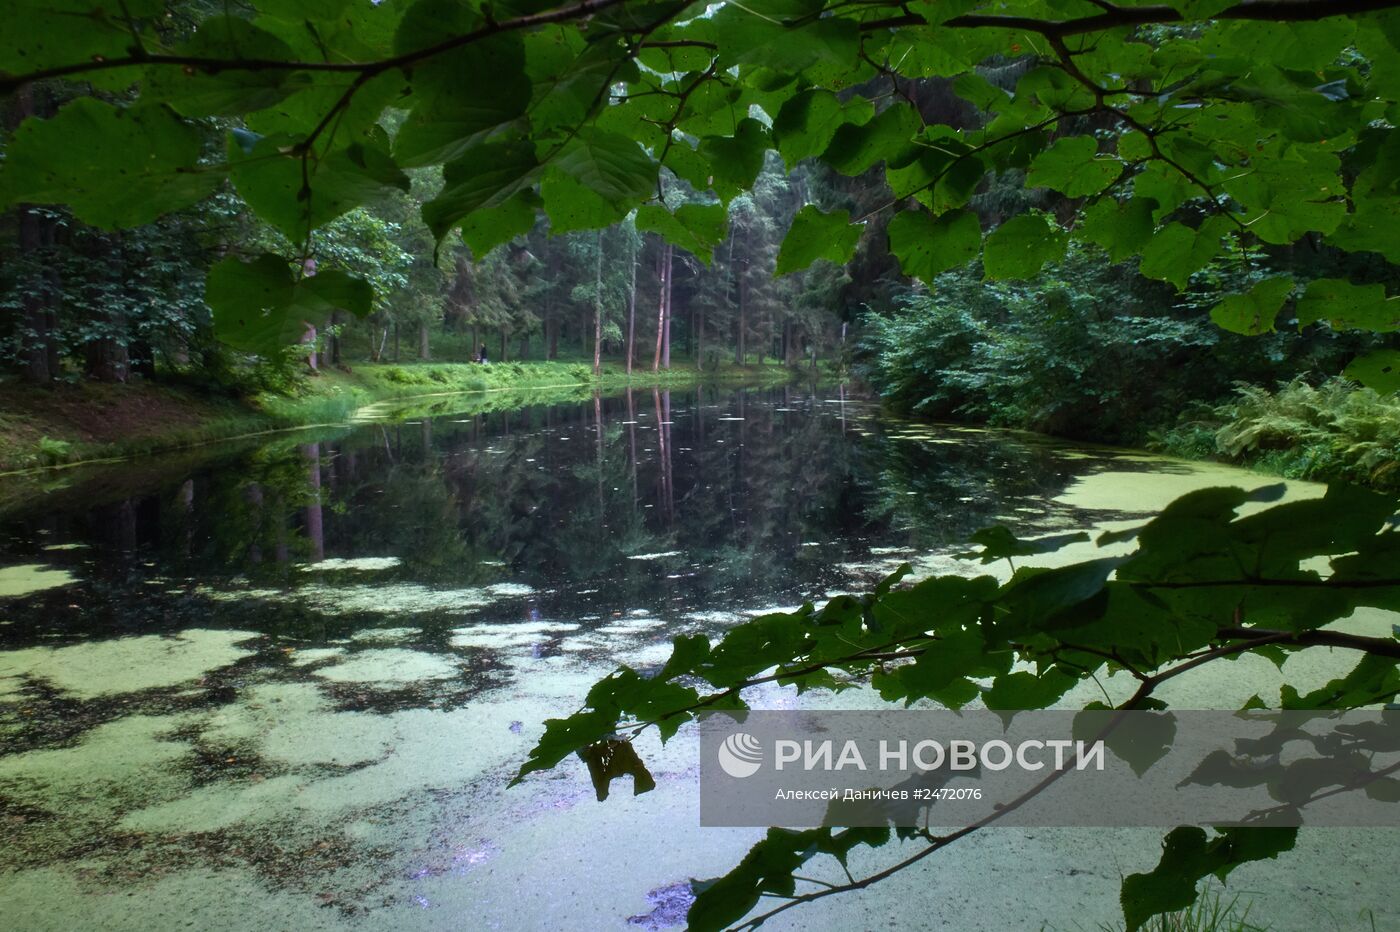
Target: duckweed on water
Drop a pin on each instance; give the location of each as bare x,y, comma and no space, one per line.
16,581
123,665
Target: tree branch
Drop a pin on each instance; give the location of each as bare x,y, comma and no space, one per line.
1275,11
366,69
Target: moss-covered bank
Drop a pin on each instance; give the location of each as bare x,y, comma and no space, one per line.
72,423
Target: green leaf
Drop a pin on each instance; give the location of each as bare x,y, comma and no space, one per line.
41,34
735,161
1188,856
297,198
1176,252
612,759
610,165
260,307
998,543
816,235
484,89
1121,229
1021,246
488,227
1141,747
1023,690
226,91
856,149
767,868
926,246
696,228
1374,679
747,36
485,176
1379,370
1373,227
807,122
943,671
1349,307
1253,313
1201,9
1073,167
571,205
117,167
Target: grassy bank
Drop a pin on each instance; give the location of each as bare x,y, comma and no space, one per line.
71,423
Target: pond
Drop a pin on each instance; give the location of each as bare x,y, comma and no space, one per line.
282,683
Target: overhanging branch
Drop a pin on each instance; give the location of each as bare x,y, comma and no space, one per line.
366,70
1275,11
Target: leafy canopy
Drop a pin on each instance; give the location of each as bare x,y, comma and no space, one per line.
1175,131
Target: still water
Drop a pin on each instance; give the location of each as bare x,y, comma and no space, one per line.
281,684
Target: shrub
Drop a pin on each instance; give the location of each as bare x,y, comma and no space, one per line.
1334,430
50,452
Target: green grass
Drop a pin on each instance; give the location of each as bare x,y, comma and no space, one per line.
35,432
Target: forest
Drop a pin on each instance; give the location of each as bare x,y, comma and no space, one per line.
295,291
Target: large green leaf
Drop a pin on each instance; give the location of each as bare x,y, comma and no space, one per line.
1253,313
488,227
296,195
735,161
816,235
855,148
1121,229
1379,370
1349,307
226,91
696,228
1073,167
1020,246
485,176
746,35
1188,855
926,246
116,167
41,34
262,307
465,98
807,122
610,165
1176,252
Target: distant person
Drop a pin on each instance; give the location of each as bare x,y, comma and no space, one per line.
481,357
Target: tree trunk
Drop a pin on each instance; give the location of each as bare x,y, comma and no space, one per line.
106,358
632,312
663,283
424,351
309,336
598,311
666,327
38,354
335,338
396,341
699,337
742,323
503,345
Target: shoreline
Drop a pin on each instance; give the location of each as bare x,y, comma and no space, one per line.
44,430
